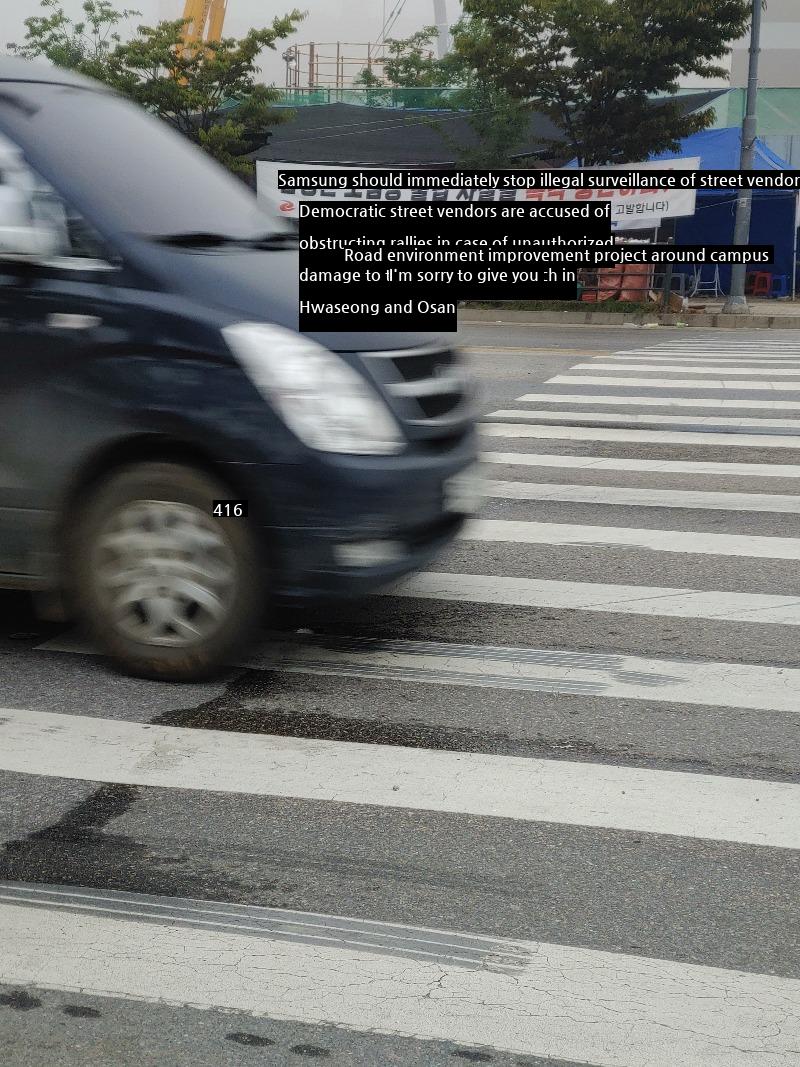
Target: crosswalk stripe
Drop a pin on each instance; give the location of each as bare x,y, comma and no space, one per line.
583,353
777,503
652,437
560,671
665,368
280,924
567,534
749,360
748,423
672,383
651,466
758,608
511,787
695,341
559,1001
698,340
621,677
620,400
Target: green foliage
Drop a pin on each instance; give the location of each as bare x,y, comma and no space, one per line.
498,121
85,46
499,125
368,79
412,61
209,94
591,65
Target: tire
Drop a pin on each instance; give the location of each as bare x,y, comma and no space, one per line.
167,590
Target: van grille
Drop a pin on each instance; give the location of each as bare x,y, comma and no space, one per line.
429,389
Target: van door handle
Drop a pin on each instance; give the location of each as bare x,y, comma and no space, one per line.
73,322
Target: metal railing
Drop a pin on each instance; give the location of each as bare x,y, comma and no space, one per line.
678,283
433,99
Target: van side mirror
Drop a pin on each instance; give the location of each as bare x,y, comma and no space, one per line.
29,242
20,237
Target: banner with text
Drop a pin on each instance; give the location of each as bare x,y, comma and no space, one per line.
631,209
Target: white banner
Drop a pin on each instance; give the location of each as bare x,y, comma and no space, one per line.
631,209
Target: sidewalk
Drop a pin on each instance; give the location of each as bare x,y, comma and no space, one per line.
770,308
763,315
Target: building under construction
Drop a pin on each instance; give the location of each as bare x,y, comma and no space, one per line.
337,64
329,65
334,65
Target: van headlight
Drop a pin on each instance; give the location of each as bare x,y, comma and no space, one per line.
326,403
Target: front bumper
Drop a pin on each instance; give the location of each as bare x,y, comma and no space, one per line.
322,520
315,572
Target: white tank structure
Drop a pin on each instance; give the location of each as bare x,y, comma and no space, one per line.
442,25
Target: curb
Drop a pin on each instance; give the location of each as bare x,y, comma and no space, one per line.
585,318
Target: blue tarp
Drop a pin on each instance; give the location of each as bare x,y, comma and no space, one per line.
773,215
720,150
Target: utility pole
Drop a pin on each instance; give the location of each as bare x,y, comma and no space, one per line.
736,304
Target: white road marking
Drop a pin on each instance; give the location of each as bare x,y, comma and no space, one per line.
651,437
665,368
610,674
648,498
717,343
620,400
750,360
751,423
697,342
280,924
565,534
650,466
393,776
758,608
564,1002
672,383
603,674
582,353
622,677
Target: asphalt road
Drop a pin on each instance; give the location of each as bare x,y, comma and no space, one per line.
539,805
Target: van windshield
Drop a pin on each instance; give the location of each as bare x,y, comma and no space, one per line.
126,171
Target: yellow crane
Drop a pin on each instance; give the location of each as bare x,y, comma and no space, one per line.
204,21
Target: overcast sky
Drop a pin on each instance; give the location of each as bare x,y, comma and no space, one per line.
327,20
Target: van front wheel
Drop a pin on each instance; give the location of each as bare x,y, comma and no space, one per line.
168,590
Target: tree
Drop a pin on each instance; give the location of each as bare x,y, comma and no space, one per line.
412,61
498,121
592,66
209,94
408,63
84,46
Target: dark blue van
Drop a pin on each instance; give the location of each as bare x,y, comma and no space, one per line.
175,457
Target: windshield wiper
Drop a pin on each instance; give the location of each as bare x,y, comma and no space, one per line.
278,239
200,239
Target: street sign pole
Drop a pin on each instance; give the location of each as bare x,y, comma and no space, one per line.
736,304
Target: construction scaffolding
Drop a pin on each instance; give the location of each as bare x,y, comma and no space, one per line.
332,65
